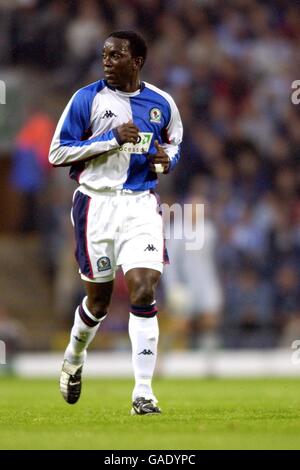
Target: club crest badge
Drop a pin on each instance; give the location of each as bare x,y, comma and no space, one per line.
155,115
103,264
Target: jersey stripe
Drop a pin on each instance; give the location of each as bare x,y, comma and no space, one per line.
80,212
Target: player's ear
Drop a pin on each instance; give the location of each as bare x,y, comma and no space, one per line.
138,63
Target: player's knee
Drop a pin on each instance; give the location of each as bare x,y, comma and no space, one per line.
97,307
142,293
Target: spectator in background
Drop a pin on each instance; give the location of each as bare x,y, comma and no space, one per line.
12,334
248,310
83,36
30,166
283,243
287,304
192,286
247,237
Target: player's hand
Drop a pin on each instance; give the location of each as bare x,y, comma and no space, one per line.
128,132
160,157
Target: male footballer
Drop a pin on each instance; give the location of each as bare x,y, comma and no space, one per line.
116,135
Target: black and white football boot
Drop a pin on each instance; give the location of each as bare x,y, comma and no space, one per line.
70,382
144,406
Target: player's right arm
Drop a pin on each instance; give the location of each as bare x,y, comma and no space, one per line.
68,146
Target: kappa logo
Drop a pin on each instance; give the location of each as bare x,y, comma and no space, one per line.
103,264
78,339
146,352
150,247
108,114
155,115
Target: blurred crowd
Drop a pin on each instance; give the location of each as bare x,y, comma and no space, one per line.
229,66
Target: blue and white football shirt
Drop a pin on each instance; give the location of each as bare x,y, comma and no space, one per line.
87,128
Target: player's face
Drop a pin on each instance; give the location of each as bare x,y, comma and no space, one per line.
118,64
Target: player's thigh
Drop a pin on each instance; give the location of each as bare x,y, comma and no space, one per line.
141,240
94,220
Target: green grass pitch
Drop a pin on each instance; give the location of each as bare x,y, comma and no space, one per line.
197,414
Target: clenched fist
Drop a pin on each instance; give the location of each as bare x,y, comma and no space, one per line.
159,159
127,132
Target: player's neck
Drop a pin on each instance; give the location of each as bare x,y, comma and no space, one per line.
132,86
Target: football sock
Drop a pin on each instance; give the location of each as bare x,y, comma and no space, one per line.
83,332
143,333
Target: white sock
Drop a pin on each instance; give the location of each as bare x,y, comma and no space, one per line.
143,333
81,335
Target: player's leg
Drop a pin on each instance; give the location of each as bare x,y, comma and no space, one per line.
143,332
140,252
97,269
88,317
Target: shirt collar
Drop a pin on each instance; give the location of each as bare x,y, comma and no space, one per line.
124,93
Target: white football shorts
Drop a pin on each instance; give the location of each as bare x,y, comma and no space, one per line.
117,228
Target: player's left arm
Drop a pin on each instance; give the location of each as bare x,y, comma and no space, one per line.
173,136
168,152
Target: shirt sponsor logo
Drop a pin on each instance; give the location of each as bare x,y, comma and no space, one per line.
142,145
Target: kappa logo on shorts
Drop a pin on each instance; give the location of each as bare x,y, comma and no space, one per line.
103,264
150,247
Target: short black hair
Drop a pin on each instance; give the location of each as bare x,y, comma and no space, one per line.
138,46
